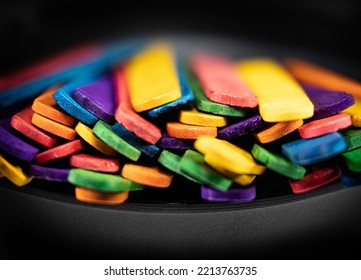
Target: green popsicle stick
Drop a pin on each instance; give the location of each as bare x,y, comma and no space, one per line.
353,138
192,163
352,159
204,104
172,162
105,132
102,182
278,163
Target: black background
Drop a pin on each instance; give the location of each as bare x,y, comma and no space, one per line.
33,29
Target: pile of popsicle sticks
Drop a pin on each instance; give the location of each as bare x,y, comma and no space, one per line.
115,119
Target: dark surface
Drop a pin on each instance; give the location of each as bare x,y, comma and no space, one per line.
45,221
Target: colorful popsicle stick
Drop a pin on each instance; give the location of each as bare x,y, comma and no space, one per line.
316,179
13,172
151,176
192,163
278,163
21,121
350,179
241,179
194,117
49,66
352,137
186,98
228,156
324,126
220,81
105,133
355,112
280,97
110,54
48,173
149,89
171,161
204,104
53,127
87,134
92,196
46,106
95,163
327,102
13,145
186,131
314,150
167,142
318,75
241,128
233,195
59,152
126,116
148,149
63,97
98,97
103,182
277,131
352,159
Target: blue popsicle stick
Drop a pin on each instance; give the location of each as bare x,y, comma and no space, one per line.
148,149
63,96
310,151
112,54
187,96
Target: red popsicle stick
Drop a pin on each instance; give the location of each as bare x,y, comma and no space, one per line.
316,179
21,121
324,126
220,81
95,163
126,116
59,152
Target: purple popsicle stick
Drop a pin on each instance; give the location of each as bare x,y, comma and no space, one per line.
48,173
98,98
327,102
167,142
232,195
241,128
13,145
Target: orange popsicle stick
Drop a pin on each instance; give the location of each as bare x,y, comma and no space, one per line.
277,131
150,176
46,106
53,127
310,73
91,196
186,131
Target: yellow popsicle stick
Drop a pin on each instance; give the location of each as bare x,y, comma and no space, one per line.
241,179
152,78
87,134
355,112
227,156
280,97
14,173
194,117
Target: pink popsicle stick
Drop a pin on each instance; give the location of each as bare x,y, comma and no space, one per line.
220,81
125,115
